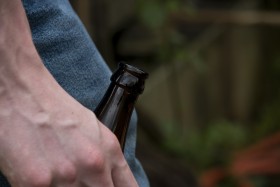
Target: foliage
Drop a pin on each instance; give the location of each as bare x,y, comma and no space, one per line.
173,44
207,147
214,145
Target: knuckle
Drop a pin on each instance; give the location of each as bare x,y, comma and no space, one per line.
112,144
95,161
67,171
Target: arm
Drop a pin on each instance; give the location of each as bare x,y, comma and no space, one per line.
46,137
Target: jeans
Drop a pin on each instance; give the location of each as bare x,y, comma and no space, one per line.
70,55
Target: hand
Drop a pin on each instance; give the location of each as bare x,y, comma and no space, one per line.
62,144
48,139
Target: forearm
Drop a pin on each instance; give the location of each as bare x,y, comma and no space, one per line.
22,73
14,31
18,55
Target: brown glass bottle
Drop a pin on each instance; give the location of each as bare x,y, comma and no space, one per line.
116,106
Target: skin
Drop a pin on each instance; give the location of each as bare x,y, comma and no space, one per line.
48,139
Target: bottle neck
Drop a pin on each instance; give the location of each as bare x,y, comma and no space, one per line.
115,110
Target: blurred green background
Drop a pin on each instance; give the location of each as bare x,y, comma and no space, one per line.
210,113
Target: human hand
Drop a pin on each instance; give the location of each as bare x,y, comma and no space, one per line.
49,139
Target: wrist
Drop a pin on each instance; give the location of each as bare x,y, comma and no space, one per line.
16,45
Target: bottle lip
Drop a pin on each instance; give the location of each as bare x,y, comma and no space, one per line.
130,78
134,70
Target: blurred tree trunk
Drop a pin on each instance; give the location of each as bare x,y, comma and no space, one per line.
245,55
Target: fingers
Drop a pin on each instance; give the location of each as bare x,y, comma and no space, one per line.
97,179
85,155
122,177
121,173
65,173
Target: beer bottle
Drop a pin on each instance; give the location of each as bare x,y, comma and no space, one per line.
116,107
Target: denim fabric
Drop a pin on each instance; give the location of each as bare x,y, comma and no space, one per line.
70,55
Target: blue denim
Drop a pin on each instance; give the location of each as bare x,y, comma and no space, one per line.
72,58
